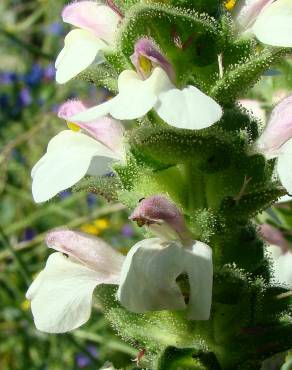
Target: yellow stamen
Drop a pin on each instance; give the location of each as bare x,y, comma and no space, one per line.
72,126
145,64
230,4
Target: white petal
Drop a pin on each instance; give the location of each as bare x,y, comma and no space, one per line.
274,24
68,158
284,199
281,265
99,19
249,11
148,277
199,267
80,50
283,269
61,295
284,166
135,98
189,108
149,273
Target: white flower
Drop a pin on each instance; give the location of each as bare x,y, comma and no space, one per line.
149,277
150,271
71,155
276,141
188,108
281,264
270,21
61,295
97,25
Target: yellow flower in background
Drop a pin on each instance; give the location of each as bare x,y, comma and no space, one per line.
25,305
229,5
89,229
96,227
101,223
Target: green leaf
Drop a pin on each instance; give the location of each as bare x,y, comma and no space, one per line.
237,79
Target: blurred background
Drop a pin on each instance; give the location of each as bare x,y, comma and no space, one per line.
31,35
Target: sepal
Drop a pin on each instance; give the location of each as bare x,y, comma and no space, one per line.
153,331
210,150
237,79
106,186
100,76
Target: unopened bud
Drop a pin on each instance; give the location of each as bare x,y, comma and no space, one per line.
161,215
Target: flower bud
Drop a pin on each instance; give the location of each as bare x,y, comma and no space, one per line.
162,216
147,56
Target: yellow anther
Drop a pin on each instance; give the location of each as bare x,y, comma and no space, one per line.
145,64
72,126
230,4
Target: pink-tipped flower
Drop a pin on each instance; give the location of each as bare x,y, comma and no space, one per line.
92,252
101,20
97,25
61,295
270,21
107,130
87,149
147,56
279,128
276,141
249,12
162,216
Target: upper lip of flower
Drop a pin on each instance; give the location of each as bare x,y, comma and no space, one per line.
71,155
97,26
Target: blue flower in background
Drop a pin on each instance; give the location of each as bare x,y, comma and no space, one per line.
29,234
91,200
8,78
83,360
50,72
127,231
25,97
34,76
4,101
56,28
